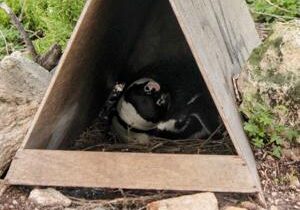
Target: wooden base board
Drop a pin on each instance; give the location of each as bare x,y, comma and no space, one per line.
131,171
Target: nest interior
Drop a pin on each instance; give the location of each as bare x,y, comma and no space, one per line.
139,34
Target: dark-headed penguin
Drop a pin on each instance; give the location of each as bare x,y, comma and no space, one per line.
141,107
168,99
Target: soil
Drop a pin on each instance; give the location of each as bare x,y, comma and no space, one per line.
278,180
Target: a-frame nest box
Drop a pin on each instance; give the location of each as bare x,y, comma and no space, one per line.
220,35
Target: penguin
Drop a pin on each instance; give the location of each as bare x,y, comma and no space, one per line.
140,108
167,99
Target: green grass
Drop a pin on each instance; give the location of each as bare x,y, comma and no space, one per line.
47,22
52,21
268,11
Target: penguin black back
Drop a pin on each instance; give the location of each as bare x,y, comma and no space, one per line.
191,106
148,98
182,79
188,109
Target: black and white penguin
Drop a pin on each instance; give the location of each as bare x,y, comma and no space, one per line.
168,99
141,107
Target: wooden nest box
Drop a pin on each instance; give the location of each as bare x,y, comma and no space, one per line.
111,34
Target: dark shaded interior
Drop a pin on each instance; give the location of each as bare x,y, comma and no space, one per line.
114,40
139,33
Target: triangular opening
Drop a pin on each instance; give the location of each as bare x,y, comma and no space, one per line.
146,34
111,38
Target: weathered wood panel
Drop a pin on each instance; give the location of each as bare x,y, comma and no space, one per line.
97,52
67,99
130,170
221,35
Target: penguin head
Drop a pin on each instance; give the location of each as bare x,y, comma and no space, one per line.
143,104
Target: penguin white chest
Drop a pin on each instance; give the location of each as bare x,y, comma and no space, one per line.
130,116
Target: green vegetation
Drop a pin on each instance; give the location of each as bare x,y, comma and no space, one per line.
270,10
47,22
257,54
52,21
264,127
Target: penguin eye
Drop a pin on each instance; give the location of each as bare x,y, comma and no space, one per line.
147,89
162,100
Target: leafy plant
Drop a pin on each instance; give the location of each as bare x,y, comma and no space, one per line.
263,127
9,40
271,10
47,22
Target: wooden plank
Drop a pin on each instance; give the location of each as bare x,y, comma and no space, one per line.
65,99
221,35
130,170
97,50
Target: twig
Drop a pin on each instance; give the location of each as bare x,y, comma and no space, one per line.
122,193
278,7
115,201
156,146
15,21
281,17
214,133
5,42
236,88
34,34
22,11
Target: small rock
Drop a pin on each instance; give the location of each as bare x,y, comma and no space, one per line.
3,187
292,154
274,194
15,202
249,205
294,182
99,208
22,87
49,197
200,201
233,208
273,208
